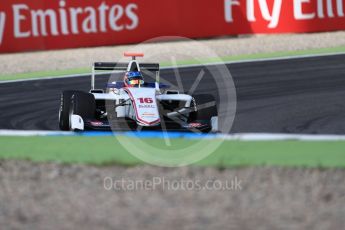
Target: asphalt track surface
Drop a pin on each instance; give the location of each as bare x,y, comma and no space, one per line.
304,95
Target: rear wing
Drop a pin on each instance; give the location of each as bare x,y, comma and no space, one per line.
122,66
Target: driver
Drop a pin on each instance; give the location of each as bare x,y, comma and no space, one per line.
133,79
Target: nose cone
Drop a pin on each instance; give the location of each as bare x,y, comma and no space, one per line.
145,105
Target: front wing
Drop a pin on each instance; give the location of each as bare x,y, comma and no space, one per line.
201,126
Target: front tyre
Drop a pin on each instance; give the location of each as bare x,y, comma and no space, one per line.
65,106
204,110
204,106
84,105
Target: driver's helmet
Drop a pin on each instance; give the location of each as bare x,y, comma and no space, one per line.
133,79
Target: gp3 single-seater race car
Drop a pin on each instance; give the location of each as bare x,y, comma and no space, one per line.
134,104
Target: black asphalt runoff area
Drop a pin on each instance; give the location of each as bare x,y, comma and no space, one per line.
302,95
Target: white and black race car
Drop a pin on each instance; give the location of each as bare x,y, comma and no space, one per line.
136,104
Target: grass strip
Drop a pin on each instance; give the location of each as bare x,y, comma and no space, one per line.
107,150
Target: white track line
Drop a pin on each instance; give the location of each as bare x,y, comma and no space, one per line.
239,136
183,66
281,137
24,133
259,60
